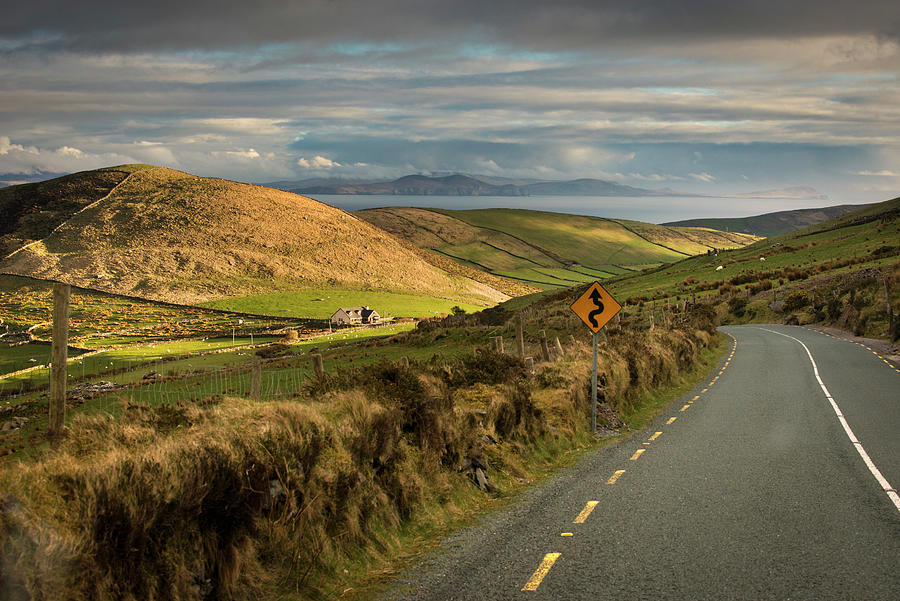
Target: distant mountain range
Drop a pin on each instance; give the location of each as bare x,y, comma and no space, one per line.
466,185
460,184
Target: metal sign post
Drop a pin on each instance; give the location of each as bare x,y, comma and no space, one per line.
595,308
596,342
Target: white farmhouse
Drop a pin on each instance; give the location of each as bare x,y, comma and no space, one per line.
355,316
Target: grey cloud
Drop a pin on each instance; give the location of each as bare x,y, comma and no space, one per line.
93,25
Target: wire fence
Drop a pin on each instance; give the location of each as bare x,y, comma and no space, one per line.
102,379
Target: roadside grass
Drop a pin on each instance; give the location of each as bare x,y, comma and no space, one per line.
406,438
321,303
371,571
656,401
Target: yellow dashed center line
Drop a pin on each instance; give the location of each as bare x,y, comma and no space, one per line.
655,436
671,419
685,407
614,477
704,390
567,534
585,512
695,398
637,454
535,581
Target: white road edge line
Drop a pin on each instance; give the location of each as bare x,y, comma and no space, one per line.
891,492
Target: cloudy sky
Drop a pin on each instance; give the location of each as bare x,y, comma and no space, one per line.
702,96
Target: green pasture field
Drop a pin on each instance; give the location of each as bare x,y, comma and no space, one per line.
321,303
496,260
553,278
574,237
98,319
14,358
113,359
174,357
569,276
600,271
280,379
535,278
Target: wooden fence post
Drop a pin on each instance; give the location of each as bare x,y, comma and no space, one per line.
318,365
404,363
545,348
559,347
529,365
58,353
498,344
520,335
256,379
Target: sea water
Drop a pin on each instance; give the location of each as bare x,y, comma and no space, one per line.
651,209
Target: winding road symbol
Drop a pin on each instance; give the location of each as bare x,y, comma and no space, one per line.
596,307
594,316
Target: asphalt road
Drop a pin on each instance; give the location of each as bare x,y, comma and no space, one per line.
751,490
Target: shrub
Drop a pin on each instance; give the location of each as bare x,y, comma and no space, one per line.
796,300
726,288
833,309
737,305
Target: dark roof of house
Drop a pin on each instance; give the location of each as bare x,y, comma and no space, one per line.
363,312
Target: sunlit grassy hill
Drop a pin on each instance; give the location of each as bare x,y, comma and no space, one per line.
163,234
544,249
30,212
839,272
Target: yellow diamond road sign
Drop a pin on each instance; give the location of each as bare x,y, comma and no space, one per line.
596,307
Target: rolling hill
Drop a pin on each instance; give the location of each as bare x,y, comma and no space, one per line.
771,224
29,212
546,250
867,237
166,235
